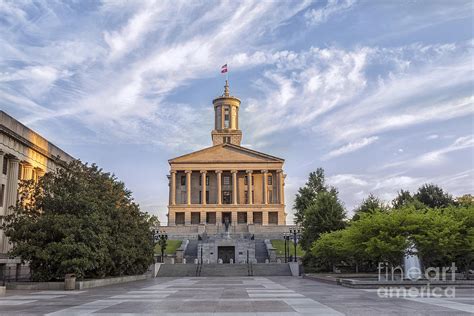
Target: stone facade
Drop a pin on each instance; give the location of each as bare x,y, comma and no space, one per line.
226,180
24,155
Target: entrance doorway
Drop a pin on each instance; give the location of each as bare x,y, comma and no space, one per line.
226,253
226,215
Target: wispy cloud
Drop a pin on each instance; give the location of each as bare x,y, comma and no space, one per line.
350,147
332,7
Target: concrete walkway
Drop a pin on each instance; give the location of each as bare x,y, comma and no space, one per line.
228,296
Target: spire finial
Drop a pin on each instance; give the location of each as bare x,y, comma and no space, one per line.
226,88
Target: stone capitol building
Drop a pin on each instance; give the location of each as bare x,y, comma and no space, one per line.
231,195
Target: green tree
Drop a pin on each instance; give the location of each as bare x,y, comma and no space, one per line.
433,196
403,198
325,214
465,200
369,205
307,195
79,220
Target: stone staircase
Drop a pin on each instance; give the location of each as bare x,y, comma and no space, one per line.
218,270
271,269
222,270
177,270
261,252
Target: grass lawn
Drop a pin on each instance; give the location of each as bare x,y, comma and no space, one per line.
280,248
171,247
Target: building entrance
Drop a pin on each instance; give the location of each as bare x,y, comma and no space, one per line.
226,253
227,215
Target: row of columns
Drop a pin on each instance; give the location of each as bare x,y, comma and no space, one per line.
280,179
234,217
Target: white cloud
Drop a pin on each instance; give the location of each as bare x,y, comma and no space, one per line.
351,147
432,136
321,15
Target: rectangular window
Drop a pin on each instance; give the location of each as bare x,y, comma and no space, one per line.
5,165
2,194
226,117
226,139
242,218
226,197
257,218
273,218
195,218
179,218
226,180
183,180
270,180
211,217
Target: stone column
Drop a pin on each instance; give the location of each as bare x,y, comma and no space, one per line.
234,218
265,186
280,185
2,154
12,183
218,218
234,186
27,172
173,187
249,186
188,186
203,217
187,218
171,218
265,218
203,186
219,186
249,217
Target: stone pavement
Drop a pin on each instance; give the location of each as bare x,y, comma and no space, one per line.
228,296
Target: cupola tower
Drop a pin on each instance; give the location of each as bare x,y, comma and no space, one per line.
226,119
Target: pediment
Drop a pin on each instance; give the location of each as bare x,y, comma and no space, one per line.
225,153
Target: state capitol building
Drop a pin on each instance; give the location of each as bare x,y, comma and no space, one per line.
226,182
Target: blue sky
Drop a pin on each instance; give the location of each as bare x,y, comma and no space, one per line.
378,93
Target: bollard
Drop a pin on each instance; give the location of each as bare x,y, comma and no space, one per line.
219,261
231,261
196,261
172,260
184,260
266,261
278,260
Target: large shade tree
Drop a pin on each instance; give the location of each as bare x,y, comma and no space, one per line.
79,220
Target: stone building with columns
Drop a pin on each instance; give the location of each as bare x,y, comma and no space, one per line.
24,155
226,180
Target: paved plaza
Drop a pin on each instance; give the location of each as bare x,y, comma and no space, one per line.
228,296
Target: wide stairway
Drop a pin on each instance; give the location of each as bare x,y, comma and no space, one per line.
224,270
261,252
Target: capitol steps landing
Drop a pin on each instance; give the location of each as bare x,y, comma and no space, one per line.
223,270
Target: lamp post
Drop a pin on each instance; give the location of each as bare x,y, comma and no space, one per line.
286,237
161,238
296,234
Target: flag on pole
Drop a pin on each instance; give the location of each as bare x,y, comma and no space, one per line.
224,69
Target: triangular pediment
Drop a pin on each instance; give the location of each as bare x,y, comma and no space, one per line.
225,153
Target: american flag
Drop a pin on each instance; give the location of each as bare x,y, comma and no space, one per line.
224,69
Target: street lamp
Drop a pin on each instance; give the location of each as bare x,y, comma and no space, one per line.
286,237
296,234
161,238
